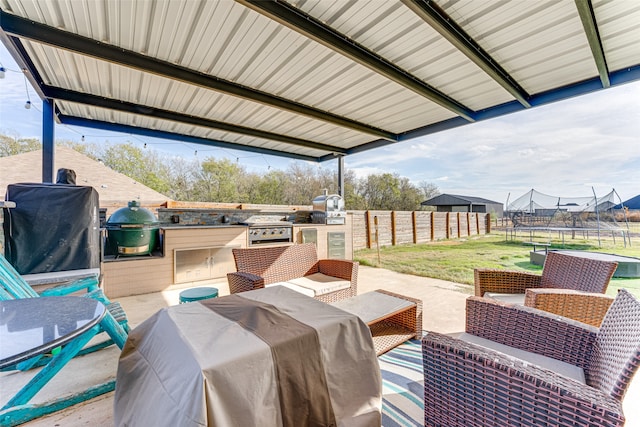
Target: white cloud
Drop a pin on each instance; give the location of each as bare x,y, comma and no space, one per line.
363,172
525,152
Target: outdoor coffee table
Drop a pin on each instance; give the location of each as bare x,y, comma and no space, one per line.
392,318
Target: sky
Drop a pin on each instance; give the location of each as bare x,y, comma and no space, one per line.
569,148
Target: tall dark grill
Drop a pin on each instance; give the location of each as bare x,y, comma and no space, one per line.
54,227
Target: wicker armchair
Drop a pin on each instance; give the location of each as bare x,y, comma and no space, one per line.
297,267
467,384
561,271
585,307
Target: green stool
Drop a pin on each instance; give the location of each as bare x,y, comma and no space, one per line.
197,294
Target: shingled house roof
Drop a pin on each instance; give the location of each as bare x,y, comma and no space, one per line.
114,188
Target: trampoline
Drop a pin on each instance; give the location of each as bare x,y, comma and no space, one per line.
628,267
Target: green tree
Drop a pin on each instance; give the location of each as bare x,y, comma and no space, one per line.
182,178
91,150
410,196
12,145
380,191
267,189
389,192
145,167
217,181
353,200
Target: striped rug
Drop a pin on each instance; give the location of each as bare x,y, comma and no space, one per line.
402,386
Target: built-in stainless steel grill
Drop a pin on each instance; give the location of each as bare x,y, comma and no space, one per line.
265,229
328,209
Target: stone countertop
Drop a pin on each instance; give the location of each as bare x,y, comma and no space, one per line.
189,226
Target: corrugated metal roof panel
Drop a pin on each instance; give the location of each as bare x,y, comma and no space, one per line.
160,92
530,39
619,26
256,52
102,114
396,33
276,67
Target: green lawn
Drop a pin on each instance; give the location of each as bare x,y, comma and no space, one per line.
454,260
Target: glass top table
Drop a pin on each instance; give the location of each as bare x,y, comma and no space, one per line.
33,326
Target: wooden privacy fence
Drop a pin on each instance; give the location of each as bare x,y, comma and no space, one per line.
402,227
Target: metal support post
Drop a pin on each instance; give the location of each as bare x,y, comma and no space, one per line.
47,140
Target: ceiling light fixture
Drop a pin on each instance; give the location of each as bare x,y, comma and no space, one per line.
27,104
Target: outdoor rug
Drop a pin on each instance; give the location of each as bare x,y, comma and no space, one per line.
402,385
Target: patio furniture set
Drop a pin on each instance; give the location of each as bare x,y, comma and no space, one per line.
561,354
392,318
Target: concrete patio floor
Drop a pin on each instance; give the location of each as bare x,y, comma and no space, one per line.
443,302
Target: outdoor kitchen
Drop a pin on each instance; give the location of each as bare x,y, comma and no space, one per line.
191,243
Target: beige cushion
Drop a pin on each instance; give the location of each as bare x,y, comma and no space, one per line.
304,291
557,366
511,298
315,284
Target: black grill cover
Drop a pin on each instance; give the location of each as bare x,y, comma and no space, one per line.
54,227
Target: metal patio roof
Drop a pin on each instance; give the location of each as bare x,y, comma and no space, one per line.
313,79
457,200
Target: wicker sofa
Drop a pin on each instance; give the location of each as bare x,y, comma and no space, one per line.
296,267
486,380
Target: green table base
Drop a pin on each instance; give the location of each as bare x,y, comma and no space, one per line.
197,294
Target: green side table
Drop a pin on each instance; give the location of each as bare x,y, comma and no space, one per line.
197,294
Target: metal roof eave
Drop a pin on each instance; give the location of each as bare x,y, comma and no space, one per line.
577,89
20,27
16,49
153,133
